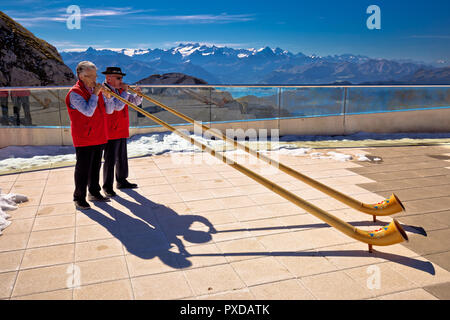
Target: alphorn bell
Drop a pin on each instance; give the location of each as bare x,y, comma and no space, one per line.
391,234
383,208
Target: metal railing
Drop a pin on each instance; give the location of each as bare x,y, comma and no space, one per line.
45,106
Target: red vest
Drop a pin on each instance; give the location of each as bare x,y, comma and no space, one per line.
87,131
118,123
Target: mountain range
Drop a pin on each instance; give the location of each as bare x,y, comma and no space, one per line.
224,65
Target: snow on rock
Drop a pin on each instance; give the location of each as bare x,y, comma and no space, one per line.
8,202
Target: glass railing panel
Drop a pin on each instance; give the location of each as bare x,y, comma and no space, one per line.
30,107
64,113
388,99
311,101
243,103
191,101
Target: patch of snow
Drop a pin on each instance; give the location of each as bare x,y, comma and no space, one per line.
8,202
361,157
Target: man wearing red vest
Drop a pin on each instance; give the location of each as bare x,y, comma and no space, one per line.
118,124
87,114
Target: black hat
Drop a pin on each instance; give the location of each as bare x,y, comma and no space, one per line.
114,70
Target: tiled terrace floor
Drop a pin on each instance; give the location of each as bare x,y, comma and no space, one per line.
203,230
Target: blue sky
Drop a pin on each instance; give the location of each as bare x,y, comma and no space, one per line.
418,30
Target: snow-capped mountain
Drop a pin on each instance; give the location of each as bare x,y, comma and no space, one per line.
224,65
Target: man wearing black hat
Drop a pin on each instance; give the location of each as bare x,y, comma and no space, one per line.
118,124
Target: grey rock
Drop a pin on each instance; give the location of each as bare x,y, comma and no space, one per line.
26,60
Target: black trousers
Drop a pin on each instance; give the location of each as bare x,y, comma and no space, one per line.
4,104
23,102
115,156
87,171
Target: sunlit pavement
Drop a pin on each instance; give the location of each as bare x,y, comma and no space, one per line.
198,229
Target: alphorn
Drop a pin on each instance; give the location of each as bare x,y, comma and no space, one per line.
390,234
383,208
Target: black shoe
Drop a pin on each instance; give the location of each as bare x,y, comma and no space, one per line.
97,197
126,185
81,204
109,193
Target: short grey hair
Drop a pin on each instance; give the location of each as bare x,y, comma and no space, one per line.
83,66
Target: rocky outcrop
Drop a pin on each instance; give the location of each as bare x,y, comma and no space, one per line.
26,60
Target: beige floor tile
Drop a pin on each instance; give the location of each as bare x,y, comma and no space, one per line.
165,199
196,195
96,249
151,181
206,205
56,209
8,178
102,270
54,222
230,231
185,187
261,270
241,249
415,294
32,201
166,286
47,256
306,263
420,271
350,255
39,175
10,260
6,186
263,227
115,290
49,199
251,213
244,294
227,192
267,198
299,222
203,255
51,237
282,290
65,294
380,279
42,279
219,217
284,209
237,202
58,189
153,262
23,213
213,279
19,226
7,284
28,190
81,219
94,232
215,184
13,242
159,189
335,286
287,242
